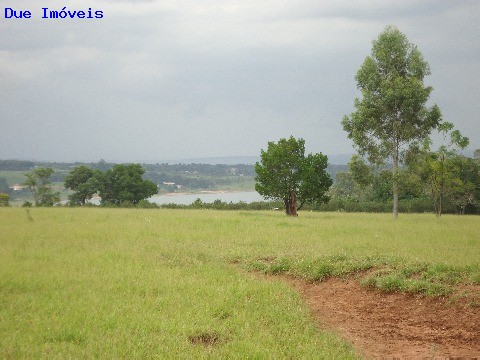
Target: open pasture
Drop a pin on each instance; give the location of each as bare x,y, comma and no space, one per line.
92,282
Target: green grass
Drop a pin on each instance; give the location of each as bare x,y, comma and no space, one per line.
155,283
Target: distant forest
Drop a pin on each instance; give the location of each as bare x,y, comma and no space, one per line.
346,194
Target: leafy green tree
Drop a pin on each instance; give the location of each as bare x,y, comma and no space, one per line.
377,182
382,186
4,200
39,183
285,174
361,172
315,181
124,184
83,182
31,184
346,187
27,204
198,203
391,116
411,185
464,190
442,170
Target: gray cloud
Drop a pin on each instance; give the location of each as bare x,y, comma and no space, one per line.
159,80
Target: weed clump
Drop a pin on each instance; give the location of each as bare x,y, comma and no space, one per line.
205,339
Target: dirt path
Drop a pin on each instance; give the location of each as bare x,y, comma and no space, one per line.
393,325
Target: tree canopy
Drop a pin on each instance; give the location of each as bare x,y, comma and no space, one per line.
446,173
392,114
4,200
82,181
124,183
285,173
39,183
121,185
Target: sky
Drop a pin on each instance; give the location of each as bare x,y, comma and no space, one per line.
157,80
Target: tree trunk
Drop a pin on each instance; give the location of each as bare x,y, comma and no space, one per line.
395,181
442,186
36,197
291,204
286,201
435,203
440,204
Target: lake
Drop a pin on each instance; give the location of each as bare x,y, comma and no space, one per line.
206,197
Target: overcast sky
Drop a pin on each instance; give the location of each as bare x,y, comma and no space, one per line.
172,79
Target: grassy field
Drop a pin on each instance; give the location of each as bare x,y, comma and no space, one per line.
155,283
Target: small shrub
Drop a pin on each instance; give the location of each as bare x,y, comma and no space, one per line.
4,200
321,272
126,204
370,282
425,287
391,283
282,266
316,270
145,204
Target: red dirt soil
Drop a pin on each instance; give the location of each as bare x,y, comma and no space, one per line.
394,325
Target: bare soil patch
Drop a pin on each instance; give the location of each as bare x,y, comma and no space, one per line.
394,325
206,339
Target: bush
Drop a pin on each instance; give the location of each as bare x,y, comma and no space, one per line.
27,204
145,204
220,205
4,200
414,205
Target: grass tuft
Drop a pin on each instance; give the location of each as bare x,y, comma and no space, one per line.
385,274
67,335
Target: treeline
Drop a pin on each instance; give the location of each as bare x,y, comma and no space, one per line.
20,165
169,178
188,169
121,185
336,204
16,165
216,205
102,165
442,182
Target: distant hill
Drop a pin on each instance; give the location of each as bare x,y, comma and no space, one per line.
340,159
227,160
